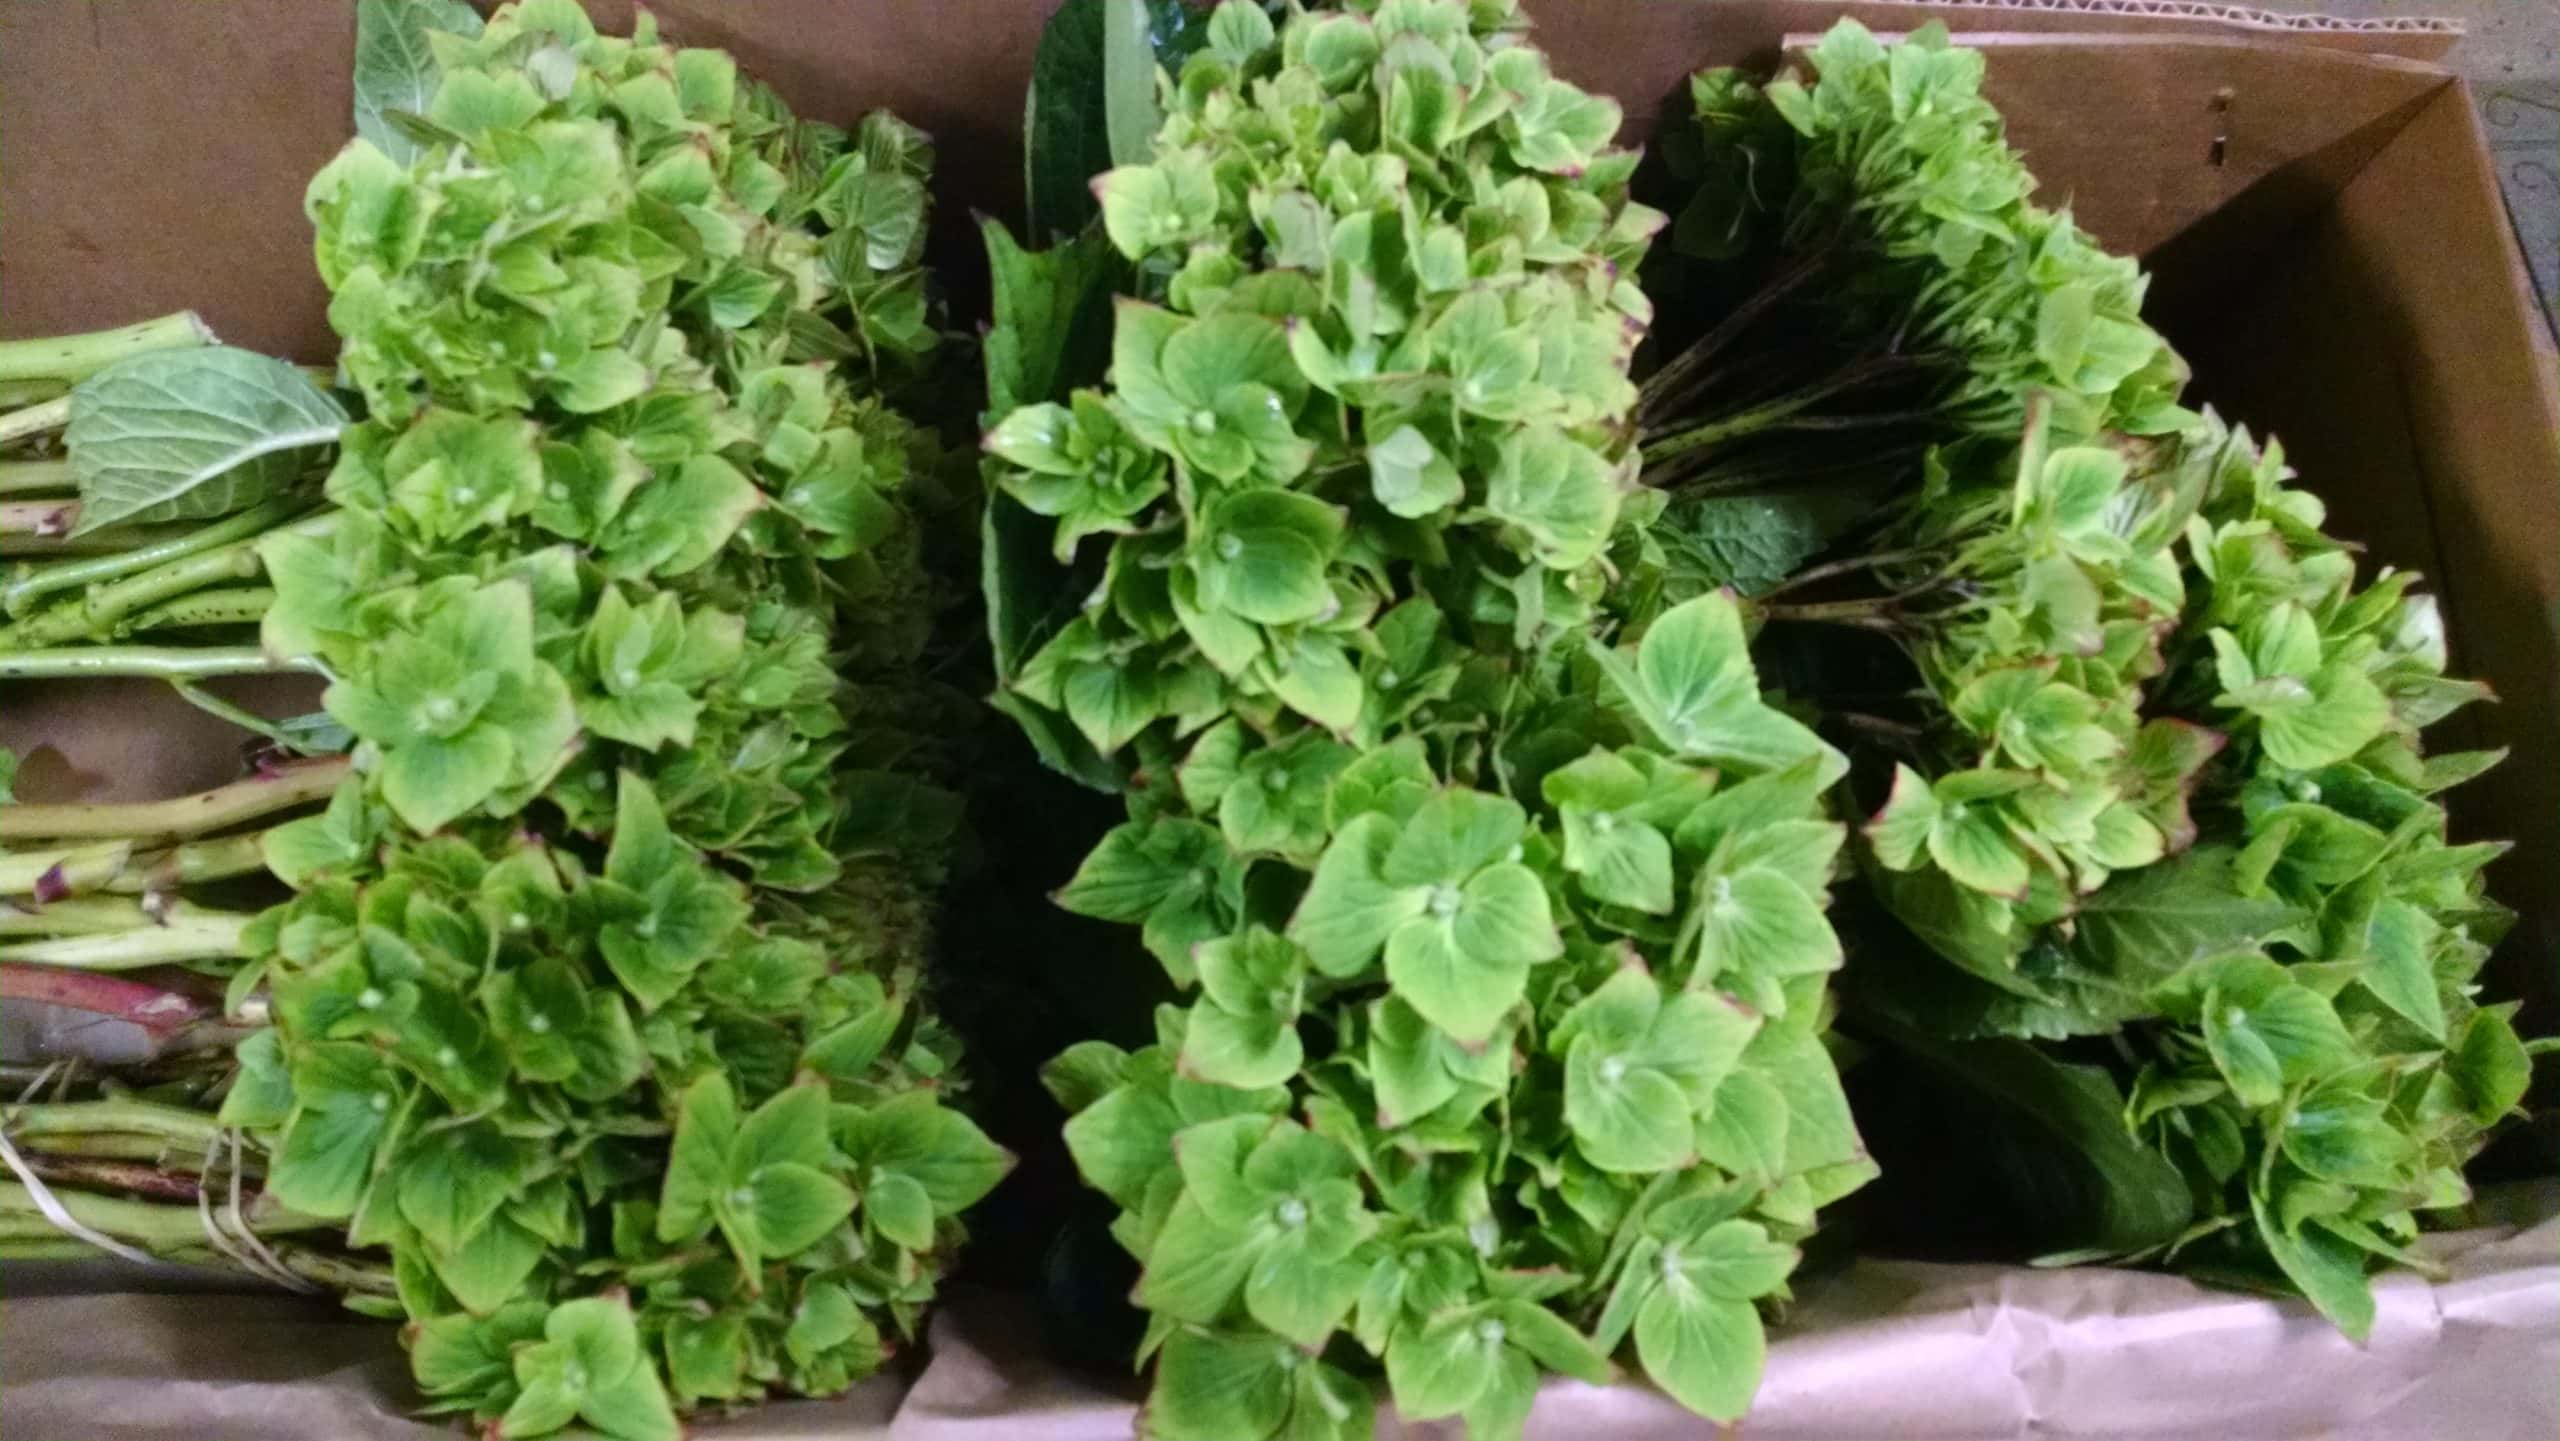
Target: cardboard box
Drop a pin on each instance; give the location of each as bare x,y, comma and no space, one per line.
2330,252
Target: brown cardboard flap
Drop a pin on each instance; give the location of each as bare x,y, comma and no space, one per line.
153,153
1641,53
2145,137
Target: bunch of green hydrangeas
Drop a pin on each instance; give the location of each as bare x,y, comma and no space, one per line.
2058,592
2322,1084
1393,253
1887,175
1857,276
2154,756
1507,945
599,1003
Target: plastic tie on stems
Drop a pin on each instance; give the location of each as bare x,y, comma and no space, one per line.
229,1230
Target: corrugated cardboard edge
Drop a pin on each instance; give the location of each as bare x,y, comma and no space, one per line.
2240,15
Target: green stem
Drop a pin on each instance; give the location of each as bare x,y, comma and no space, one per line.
35,420
281,788
36,477
77,917
104,610
248,720
1740,423
39,518
17,393
116,868
1874,561
191,864
182,933
76,357
56,1247
120,1148
154,1228
1874,613
90,662
248,525
115,540
239,605
343,1274
1673,383
63,872
185,1133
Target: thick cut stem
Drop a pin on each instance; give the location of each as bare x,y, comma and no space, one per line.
36,477
115,540
72,358
89,662
248,525
16,393
86,916
119,1146
49,875
186,1133
133,1178
180,934
240,605
150,1007
280,788
39,518
103,611
344,1275
117,868
154,1228
41,1248
1828,610
1879,613
189,864
97,614
35,420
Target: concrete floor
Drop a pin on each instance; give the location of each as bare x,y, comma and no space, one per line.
2510,52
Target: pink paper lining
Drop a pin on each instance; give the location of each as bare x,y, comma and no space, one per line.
1908,1351
1884,1351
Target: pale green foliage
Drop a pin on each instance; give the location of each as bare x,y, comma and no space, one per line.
1892,151
2164,779
599,1003
1370,319
1506,941
2325,1102
2070,584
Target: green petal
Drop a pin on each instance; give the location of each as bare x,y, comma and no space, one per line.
1706,1351
1458,991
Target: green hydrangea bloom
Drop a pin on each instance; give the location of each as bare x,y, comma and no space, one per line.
600,1002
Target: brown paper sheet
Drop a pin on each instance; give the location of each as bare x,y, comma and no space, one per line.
1883,1351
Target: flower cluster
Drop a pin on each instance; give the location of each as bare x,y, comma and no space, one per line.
2324,1082
598,1005
2158,776
1506,943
